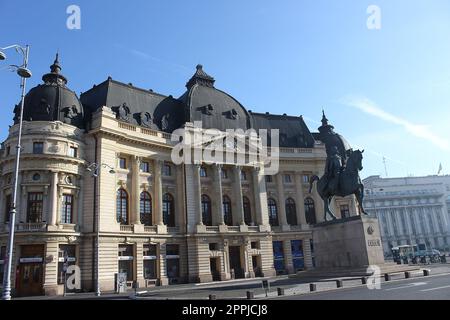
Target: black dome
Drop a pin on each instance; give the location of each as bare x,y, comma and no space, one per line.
52,101
214,108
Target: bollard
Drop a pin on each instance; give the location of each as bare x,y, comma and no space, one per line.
250,295
312,287
407,275
426,273
387,277
212,297
364,280
280,292
339,283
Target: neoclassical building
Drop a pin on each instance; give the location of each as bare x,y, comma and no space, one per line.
411,210
161,223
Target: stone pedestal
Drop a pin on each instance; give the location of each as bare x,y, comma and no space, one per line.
349,243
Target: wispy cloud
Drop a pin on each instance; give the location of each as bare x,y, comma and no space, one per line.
146,56
420,131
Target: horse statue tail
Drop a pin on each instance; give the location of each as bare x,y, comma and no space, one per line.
311,182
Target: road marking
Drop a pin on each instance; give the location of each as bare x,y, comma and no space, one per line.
412,285
433,289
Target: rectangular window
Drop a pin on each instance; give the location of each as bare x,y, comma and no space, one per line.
150,262
2,262
126,259
122,163
67,209
145,167
243,175
345,211
173,262
298,257
38,148
305,179
269,179
203,172
287,178
8,207
255,245
35,207
66,258
166,170
213,247
224,173
73,152
8,150
278,257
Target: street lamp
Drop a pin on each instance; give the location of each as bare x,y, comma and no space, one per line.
24,73
95,168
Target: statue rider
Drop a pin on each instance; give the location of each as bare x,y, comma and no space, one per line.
333,169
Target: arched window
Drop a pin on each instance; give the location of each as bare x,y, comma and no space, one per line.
122,207
227,213
146,209
291,212
310,211
206,211
273,213
168,210
247,211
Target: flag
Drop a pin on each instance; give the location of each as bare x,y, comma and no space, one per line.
440,169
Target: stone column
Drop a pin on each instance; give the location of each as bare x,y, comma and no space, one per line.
163,280
54,199
300,199
180,203
140,264
307,254
319,205
157,190
238,195
198,194
219,218
135,191
281,203
259,185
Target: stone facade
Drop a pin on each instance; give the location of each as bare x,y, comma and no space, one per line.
151,211
411,210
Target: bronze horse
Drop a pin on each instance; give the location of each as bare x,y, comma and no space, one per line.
349,183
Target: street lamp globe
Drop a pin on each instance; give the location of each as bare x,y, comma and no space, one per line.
24,72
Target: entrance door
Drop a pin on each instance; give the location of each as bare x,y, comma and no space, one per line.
256,264
30,279
235,263
215,268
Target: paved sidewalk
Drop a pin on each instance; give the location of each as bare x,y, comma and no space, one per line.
237,289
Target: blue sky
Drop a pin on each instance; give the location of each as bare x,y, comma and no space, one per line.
387,90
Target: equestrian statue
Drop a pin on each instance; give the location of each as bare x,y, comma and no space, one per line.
341,177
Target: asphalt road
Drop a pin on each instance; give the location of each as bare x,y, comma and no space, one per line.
423,288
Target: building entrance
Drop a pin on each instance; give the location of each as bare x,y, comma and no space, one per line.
236,263
30,277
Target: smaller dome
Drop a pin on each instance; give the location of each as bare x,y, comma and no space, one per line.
52,101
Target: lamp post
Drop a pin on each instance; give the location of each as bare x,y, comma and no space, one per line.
95,168
24,73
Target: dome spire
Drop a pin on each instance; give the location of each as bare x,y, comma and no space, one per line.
201,77
55,76
326,127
